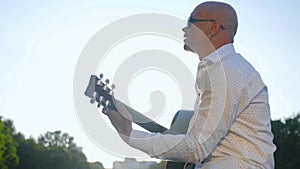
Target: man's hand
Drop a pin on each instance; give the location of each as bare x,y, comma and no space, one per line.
122,123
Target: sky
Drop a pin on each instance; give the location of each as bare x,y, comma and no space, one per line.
41,42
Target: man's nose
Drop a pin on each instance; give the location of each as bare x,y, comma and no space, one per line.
185,29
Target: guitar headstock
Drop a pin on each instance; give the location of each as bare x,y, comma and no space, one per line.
100,92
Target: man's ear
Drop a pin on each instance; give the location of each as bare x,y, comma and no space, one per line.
215,28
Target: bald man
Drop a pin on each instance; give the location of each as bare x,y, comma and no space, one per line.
231,126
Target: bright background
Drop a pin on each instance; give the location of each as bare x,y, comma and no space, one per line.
40,42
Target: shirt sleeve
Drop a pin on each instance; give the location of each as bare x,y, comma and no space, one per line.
176,147
219,100
215,110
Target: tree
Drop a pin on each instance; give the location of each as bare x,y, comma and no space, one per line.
8,151
160,165
96,165
53,150
56,139
63,150
287,140
58,158
30,153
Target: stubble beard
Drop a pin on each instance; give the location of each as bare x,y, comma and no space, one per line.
187,48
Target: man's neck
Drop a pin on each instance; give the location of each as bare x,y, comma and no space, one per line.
203,53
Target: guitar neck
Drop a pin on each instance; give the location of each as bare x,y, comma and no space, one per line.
97,89
144,121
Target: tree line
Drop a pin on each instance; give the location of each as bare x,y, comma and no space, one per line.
52,150
57,150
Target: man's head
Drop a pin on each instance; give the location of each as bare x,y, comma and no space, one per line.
211,25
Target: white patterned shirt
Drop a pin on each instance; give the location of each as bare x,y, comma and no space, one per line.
231,127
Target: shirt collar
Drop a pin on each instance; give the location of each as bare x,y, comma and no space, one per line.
220,53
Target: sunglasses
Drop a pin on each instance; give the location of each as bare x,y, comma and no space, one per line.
192,20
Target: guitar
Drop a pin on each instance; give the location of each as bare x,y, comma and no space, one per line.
99,92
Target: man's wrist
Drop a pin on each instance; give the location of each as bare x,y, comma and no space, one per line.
126,131
125,135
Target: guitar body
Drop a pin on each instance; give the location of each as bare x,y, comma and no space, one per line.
179,125
180,122
99,92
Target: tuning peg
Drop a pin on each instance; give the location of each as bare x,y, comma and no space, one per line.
99,83
100,99
113,86
106,83
98,105
111,92
106,107
101,76
104,110
93,99
107,103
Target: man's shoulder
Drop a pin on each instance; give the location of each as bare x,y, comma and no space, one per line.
240,72
238,64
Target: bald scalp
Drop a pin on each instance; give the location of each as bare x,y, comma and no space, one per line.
222,12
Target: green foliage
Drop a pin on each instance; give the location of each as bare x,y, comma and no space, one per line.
287,140
56,139
8,151
54,150
96,165
160,165
29,151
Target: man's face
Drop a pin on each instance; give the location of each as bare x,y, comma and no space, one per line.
195,32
